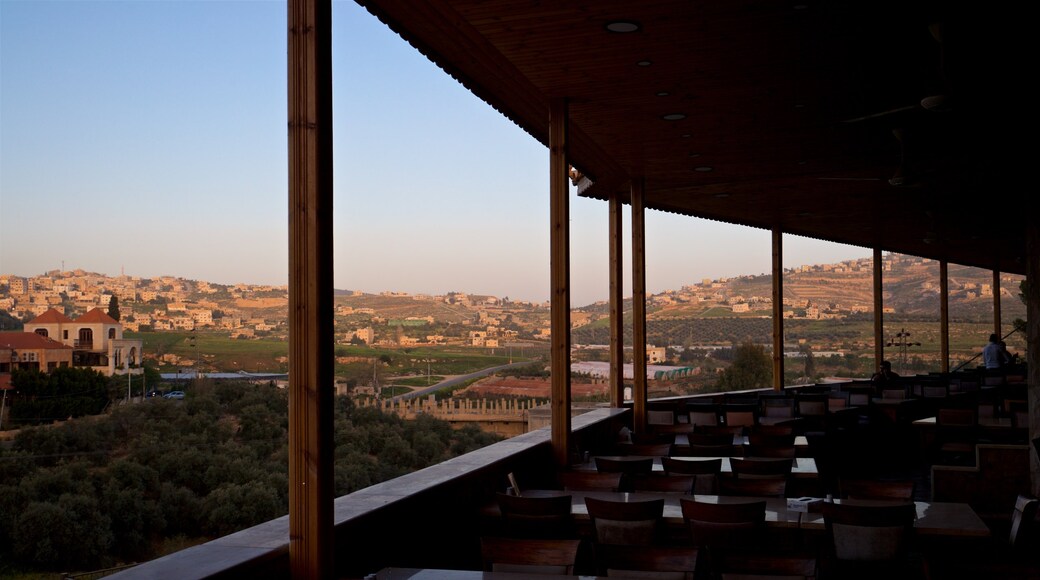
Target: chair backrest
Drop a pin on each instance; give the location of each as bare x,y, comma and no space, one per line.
663,482
530,556
759,438
782,429
753,487
876,489
536,516
705,472
645,449
869,533
859,396
721,526
761,467
740,415
660,417
651,438
727,429
707,450
590,481
766,567
956,417
812,405
625,522
657,562
1022,518
703,416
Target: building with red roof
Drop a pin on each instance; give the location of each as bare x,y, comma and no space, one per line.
28,350
96,340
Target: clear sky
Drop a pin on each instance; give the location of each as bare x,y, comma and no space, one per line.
149,136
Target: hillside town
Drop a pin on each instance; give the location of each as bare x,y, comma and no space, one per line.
246,311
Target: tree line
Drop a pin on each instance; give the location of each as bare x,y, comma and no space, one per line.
149,478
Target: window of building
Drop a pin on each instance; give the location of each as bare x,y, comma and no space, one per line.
42,332
111,334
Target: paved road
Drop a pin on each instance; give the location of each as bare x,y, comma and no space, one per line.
458,379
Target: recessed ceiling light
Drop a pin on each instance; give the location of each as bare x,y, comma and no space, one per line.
686,135
703,168
804,213
623,26
662,94
721,195
695,154
674,116
644,63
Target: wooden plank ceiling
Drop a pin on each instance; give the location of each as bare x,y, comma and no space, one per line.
790,111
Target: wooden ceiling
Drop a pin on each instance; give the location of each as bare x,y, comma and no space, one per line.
809,117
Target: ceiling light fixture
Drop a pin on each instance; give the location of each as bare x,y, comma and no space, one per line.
644,63
622,26
662,94
703,168
674,116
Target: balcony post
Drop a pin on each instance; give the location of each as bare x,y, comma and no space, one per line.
617,306
996,303
879,319
638,307
1032,292
778,310
560,299
944,315
311,332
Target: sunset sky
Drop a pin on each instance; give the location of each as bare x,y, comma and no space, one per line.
150,137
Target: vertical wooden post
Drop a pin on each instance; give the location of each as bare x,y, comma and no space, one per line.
638,307
778,310
617,306
944,315
879,317
311,331
996,303
1032,292
560,300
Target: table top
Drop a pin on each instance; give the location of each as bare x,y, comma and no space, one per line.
933,518
444,574
803,467
999,422
684,439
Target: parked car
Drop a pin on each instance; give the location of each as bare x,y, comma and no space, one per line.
174,395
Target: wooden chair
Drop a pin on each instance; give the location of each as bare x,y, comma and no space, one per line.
902,489
529,556
645,449
657,562
625,522
956,433
757,487
757,437
705,472
652,438
718,529
536,517
673,429
1022,519
740,416
786,430
760,467
660,417
776,411
728,450
766,567
871,541
589,481
703,415
726,429
663,482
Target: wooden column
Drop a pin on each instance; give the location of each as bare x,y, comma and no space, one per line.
1032,291
311,331
996,303
778,310
944,315
617,306
560,300
879,317
638,307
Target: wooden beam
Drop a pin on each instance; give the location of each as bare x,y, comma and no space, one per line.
996,303
879,318
617,305
560,300
639,393
778,310
1032,292
311,330
944,315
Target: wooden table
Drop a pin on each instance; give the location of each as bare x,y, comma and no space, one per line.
937,518
801,444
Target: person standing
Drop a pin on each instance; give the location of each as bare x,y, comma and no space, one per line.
994,356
